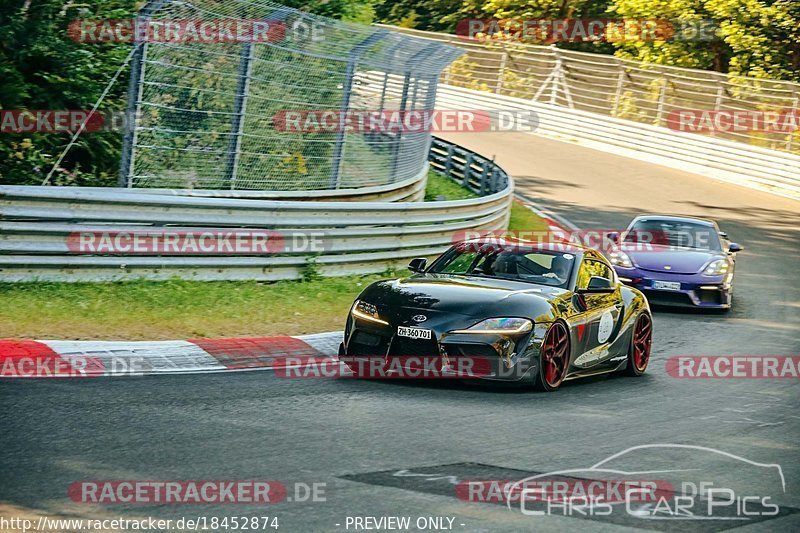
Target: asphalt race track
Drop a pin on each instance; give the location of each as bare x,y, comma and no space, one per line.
396,448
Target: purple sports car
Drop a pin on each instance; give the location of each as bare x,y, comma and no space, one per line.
676,261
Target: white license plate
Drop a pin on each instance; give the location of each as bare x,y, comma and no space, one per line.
667,285
414,333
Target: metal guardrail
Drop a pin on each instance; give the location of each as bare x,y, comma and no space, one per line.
777,172
36,224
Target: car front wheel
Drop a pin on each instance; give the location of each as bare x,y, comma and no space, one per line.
553,358
641,343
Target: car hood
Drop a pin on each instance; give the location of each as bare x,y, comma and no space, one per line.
680,261
468,296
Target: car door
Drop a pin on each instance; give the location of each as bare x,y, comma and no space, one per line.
597,325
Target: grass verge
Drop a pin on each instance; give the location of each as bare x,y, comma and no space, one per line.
178,309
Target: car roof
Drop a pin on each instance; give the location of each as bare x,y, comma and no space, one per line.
676,218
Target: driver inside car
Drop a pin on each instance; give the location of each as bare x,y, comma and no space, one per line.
505,265
559,269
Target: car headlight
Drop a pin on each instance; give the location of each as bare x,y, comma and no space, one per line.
507,326
621,259
716,268
367,312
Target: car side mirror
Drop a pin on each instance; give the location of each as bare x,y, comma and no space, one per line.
613,236
598,285
733,248
418,264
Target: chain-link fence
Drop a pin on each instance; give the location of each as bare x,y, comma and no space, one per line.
632,90
205,109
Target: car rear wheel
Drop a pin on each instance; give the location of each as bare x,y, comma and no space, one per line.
641,343
553,358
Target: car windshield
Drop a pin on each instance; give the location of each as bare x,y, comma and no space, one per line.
532,266
677,234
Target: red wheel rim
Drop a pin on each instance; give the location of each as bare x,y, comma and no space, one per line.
555,355
642,340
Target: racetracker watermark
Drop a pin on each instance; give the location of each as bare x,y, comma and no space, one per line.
394,121
58,121
194,30
605,240
733,121
734,366
586,30
181,492
562,489
388,367
54,366
196,242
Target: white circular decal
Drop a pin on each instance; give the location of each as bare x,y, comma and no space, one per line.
606,325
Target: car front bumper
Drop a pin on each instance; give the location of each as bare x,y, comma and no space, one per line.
459,356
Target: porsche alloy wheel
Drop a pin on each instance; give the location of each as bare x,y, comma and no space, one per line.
554,358
641,343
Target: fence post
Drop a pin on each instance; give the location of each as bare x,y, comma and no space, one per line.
795,107
717,105
556,76
125,178
718,99
448,164
430,104
467,169
484,176
135,85
399,135
383,91
239,108
499,85
620,85
347,89
420,55
661,97
551,76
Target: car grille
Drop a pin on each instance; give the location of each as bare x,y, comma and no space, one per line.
668,298
471,350
710,296
365,344
402,346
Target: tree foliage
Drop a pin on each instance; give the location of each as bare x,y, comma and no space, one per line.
758,38
42,68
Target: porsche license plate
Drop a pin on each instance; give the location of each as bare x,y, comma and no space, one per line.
414,333
667,285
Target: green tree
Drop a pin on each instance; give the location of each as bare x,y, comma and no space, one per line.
444,15
432,15
41,68
758,38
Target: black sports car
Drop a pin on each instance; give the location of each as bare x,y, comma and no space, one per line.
538,313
